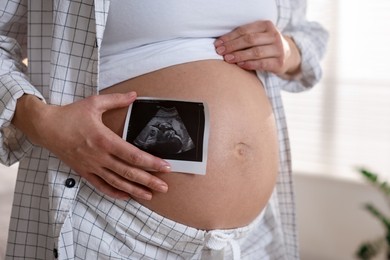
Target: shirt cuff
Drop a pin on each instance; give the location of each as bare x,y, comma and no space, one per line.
13,143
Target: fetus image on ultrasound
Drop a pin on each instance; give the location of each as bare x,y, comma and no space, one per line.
165,133
170,129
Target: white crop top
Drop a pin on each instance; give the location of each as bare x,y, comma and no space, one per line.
142,36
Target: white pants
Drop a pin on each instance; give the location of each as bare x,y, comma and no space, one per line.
105,228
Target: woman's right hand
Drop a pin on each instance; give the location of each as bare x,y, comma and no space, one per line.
75,133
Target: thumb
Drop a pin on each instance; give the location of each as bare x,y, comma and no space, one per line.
116,100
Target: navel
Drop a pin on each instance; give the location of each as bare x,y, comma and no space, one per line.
242,150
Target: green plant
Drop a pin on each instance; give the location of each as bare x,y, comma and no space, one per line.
370,249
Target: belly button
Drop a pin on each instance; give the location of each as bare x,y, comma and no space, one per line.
241,150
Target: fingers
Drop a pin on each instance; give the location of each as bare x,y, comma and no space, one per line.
116,146
123,166
247,29
245,42
120,180
126,167
114,100
263,58
255,46
116,184
136,157
102,186
271,65
137,175
255,53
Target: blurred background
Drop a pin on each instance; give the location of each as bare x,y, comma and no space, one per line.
7,184
341,124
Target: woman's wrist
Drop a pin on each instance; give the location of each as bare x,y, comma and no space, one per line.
29,116
294,60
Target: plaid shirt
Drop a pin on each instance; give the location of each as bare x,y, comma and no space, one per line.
62,39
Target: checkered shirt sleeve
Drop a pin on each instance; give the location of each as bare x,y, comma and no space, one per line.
13,80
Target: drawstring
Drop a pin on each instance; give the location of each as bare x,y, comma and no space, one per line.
218,241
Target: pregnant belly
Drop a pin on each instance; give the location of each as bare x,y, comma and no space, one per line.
242,155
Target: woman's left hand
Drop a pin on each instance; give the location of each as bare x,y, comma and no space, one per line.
260,46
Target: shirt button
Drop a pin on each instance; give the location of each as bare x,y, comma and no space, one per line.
55,253
70,183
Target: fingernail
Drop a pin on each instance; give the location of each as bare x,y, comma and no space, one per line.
221,49
218,43
229,57
132,94
146,196
165,168
162,187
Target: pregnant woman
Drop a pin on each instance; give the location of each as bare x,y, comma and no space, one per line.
84,193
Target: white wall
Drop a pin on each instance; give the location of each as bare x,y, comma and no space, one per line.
7,184
331,220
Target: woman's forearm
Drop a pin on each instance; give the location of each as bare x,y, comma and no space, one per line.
29,117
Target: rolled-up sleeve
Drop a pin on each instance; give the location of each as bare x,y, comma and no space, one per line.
13,79
311,39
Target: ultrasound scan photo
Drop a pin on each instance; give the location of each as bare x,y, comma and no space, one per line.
174,130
